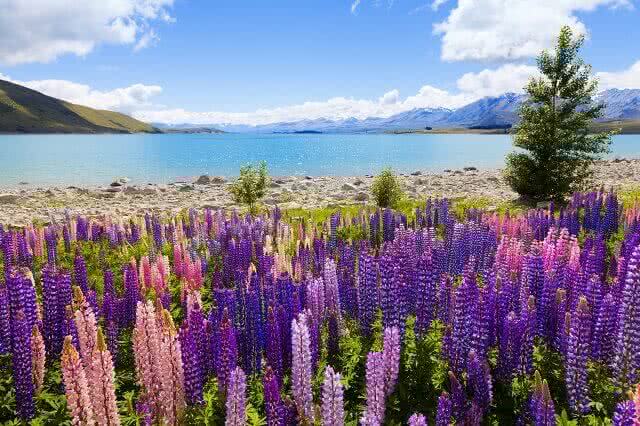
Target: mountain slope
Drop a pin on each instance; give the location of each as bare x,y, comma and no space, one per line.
487,112
621,104
23,110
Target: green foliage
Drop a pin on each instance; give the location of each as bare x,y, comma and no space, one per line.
386,189
553,132
251,185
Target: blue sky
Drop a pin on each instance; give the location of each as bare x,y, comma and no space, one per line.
257,61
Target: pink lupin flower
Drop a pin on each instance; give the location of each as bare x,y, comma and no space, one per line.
146,345
236,399
76,387
85,321
173,374
104,402
38,356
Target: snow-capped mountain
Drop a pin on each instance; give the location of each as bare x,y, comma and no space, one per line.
489,112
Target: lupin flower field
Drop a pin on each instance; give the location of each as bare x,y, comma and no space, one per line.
436,316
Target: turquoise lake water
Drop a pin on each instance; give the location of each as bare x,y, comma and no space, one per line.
97,159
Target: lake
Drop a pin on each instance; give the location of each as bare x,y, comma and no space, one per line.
97,159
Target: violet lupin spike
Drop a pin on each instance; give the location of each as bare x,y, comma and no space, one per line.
391,356
273,401
625,414
5,322
445,410
332,399
374,413
626,363
228,350
577,357
417,420
541,407
22,366
301,368
236,399
193,374
479,380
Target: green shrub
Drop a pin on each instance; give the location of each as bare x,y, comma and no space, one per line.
386,189
553,134
251,185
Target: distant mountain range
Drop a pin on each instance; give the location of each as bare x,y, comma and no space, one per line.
23,110
622,105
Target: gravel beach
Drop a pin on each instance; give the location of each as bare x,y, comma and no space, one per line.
26,203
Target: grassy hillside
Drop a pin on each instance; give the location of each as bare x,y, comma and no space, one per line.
23,110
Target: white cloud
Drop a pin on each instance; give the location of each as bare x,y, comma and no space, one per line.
146,40
338,108
437,3
626,79
354,6
510,29
390,98
137,99
494,82
125,99
42,30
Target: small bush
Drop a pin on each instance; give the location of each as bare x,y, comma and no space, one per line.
386,189
251,185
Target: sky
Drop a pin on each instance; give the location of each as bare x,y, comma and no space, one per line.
257,62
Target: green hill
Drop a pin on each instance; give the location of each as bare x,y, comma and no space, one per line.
23,110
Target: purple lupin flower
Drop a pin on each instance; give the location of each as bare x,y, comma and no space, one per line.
577,357
625,414
391,356
374,413
603,336
445,410
626,363
541,408
479,381
22,295
459,402
417,420
80,273
273,401
192,365
22,366
274,342
464,315
5,321
227,351
110,313
236,398
367,291
131,295
389,292
301,368
332,399
426,294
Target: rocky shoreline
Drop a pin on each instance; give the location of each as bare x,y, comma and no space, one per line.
24,204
